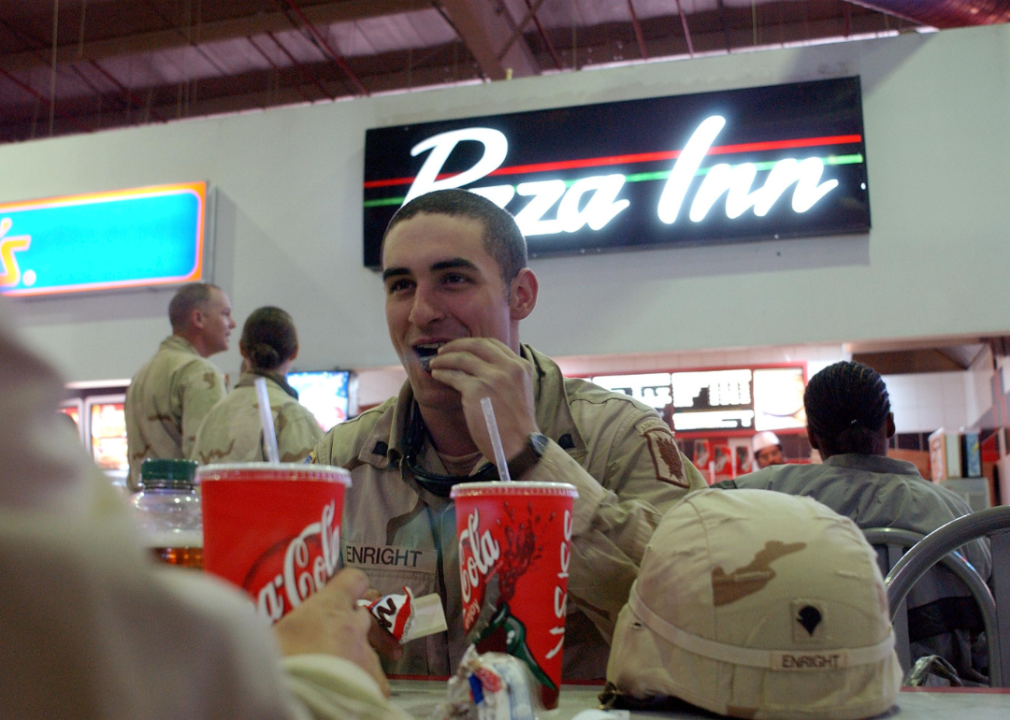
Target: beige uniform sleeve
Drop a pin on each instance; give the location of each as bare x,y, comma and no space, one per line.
331,688
645,474
201,386
297,433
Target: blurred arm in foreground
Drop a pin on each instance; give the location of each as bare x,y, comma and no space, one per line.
92,629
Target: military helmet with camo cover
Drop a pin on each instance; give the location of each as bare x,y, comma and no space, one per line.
758,604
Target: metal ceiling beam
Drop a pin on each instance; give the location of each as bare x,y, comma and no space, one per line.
607,43
639,38
324,46
687,32
486,34
215,31
943,13
286,93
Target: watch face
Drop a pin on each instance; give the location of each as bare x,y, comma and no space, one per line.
539,443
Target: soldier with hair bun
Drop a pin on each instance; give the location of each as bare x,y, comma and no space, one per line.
849,420
232,431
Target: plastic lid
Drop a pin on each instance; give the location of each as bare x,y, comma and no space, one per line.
167,473
273,471
466,489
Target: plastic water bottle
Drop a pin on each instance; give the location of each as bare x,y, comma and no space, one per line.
168,510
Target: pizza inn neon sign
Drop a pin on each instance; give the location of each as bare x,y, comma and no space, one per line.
593,201
728,166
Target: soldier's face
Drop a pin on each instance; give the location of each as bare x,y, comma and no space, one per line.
441,284
217,322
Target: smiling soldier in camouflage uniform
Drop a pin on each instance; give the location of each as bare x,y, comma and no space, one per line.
170,396
457,285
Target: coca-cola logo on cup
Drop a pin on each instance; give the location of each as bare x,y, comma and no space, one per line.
480,560
294,568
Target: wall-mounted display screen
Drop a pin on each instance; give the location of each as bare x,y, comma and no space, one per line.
102,241
778,399
327,394
767,162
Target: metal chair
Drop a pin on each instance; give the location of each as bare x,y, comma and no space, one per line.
894,542
994,523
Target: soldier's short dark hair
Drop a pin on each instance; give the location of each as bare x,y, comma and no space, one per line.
847,404
190,297
503,240
269,338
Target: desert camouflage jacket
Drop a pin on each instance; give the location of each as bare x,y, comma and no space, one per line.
168,399
233,431
618,453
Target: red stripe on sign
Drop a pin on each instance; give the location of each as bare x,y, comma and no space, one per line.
642,158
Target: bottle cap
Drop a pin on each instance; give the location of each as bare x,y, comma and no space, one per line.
167,473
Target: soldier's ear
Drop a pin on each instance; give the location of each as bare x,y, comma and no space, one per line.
197,319
523,294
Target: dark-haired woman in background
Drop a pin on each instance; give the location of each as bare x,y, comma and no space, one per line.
232,431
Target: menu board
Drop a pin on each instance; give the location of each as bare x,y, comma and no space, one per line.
733,399
653,389
713,400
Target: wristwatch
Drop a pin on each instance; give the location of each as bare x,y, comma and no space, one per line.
529,456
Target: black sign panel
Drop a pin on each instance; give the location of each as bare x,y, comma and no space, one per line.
741,165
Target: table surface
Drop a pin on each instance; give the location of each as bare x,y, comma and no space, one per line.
419,697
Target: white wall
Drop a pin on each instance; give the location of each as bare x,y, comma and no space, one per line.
928,401
288,225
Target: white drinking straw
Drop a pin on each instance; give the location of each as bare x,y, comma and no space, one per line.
492,430
269,435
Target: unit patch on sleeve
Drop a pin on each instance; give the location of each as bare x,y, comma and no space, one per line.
664,451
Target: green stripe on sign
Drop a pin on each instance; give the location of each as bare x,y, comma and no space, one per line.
385,201
844,159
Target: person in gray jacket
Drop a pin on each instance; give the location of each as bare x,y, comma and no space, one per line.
849,420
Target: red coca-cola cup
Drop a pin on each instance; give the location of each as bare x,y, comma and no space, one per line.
273,529
514,551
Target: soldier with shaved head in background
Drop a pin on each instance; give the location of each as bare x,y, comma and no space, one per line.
173,392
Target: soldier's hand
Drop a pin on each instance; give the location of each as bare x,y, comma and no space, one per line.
331,622
486,367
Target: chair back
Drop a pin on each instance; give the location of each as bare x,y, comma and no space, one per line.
939,546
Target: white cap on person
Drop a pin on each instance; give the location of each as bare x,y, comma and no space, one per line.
764,439
758,604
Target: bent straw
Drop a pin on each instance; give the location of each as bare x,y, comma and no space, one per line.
269,435
492,430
